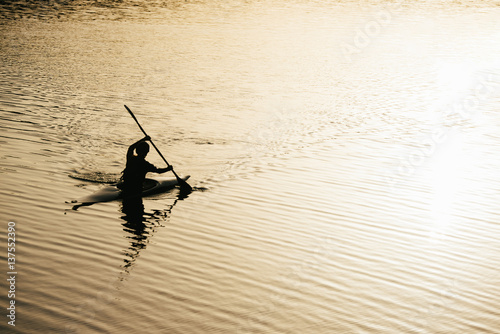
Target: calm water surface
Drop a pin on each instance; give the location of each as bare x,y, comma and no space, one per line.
349,148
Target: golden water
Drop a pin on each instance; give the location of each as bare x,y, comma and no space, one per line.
349,148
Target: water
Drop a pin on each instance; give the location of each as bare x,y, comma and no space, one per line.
349,150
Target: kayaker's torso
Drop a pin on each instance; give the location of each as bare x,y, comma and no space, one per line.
135,173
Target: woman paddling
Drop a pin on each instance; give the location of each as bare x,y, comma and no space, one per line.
137,167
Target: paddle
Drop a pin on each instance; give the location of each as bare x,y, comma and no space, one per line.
185,187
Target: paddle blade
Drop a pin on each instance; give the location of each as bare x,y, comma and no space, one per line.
185,187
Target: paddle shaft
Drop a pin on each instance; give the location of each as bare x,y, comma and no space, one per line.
181,181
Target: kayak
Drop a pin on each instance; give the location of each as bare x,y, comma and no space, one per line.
151,186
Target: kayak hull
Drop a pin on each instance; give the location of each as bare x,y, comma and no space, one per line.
152,186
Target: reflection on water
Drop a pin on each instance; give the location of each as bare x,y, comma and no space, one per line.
350,194
142,225
135,224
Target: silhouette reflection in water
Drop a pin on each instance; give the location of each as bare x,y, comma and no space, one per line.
140,226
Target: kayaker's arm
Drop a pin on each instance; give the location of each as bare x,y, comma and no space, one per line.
163,170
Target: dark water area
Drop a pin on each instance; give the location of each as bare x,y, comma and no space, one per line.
348,153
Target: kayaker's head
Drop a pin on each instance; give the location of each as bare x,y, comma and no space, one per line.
142,149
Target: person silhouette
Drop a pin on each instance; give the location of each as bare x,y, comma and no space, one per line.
137,167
